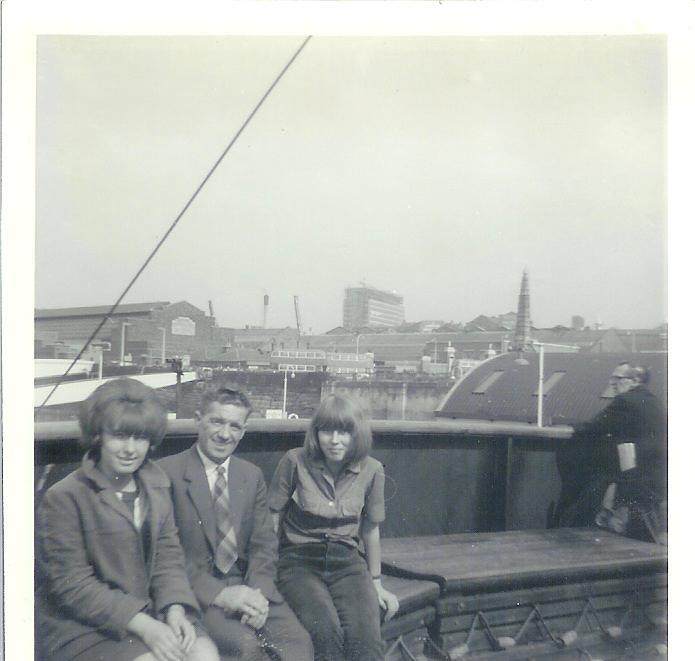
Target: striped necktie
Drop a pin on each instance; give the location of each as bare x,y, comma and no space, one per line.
226,551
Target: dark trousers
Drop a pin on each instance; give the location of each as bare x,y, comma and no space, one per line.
329,588
282,637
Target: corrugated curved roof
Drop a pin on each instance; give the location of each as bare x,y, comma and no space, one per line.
575,397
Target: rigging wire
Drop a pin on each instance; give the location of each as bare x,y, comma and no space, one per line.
174,223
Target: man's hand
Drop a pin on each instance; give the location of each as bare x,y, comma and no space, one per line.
254,621
179,624
249,602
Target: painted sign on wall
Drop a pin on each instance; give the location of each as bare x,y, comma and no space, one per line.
182,326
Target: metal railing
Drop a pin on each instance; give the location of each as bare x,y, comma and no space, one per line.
69,430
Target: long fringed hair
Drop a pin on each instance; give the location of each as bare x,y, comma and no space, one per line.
339,413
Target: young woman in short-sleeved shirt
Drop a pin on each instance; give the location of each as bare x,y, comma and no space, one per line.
326,498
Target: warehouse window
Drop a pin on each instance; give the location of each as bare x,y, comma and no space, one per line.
487,382
551,381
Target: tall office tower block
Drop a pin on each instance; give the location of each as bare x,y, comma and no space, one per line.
366,306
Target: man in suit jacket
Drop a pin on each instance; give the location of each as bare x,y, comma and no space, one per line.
231,566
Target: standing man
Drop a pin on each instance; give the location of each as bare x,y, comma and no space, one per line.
631,427
228,538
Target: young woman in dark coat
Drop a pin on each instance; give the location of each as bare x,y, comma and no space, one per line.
112,581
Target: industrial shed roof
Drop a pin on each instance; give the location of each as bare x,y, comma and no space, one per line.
574,387
99,310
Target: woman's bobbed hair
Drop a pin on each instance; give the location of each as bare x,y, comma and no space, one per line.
122,406
339,413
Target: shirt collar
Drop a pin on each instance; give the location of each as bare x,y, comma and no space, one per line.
353,467
209,465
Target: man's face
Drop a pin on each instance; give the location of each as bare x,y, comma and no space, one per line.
220,428
620,382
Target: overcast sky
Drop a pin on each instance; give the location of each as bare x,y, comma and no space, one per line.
437,167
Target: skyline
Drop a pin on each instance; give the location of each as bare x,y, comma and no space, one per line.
440,167
382,329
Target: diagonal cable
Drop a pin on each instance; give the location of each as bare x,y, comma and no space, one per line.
174,223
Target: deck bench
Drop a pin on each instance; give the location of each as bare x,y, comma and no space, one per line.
522,594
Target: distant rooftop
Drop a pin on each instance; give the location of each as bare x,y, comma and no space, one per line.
99,310
239,354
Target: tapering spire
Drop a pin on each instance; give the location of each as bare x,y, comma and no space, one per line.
522,333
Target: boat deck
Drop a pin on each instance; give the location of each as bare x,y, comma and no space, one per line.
473,562
526,594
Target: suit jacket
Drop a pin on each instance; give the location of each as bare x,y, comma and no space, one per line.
94,576
256,540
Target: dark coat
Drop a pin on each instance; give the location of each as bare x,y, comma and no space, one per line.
256,540
588,462
635,416
94,576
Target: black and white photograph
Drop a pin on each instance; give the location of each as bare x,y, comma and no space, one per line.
350,335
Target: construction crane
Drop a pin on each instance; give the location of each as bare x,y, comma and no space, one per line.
298,315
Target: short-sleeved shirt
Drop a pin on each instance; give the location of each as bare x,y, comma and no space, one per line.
319,508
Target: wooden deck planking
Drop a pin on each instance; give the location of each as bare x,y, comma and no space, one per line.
412,594
469,562
407,623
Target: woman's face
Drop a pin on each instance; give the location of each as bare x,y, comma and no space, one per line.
334,445
122,453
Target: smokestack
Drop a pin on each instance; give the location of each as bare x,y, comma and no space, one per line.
212,312
266,303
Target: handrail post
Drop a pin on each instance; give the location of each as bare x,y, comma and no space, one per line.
541,356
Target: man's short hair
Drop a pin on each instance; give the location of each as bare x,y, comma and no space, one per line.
225,392
642,374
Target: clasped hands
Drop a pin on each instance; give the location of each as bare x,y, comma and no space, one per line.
247,601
